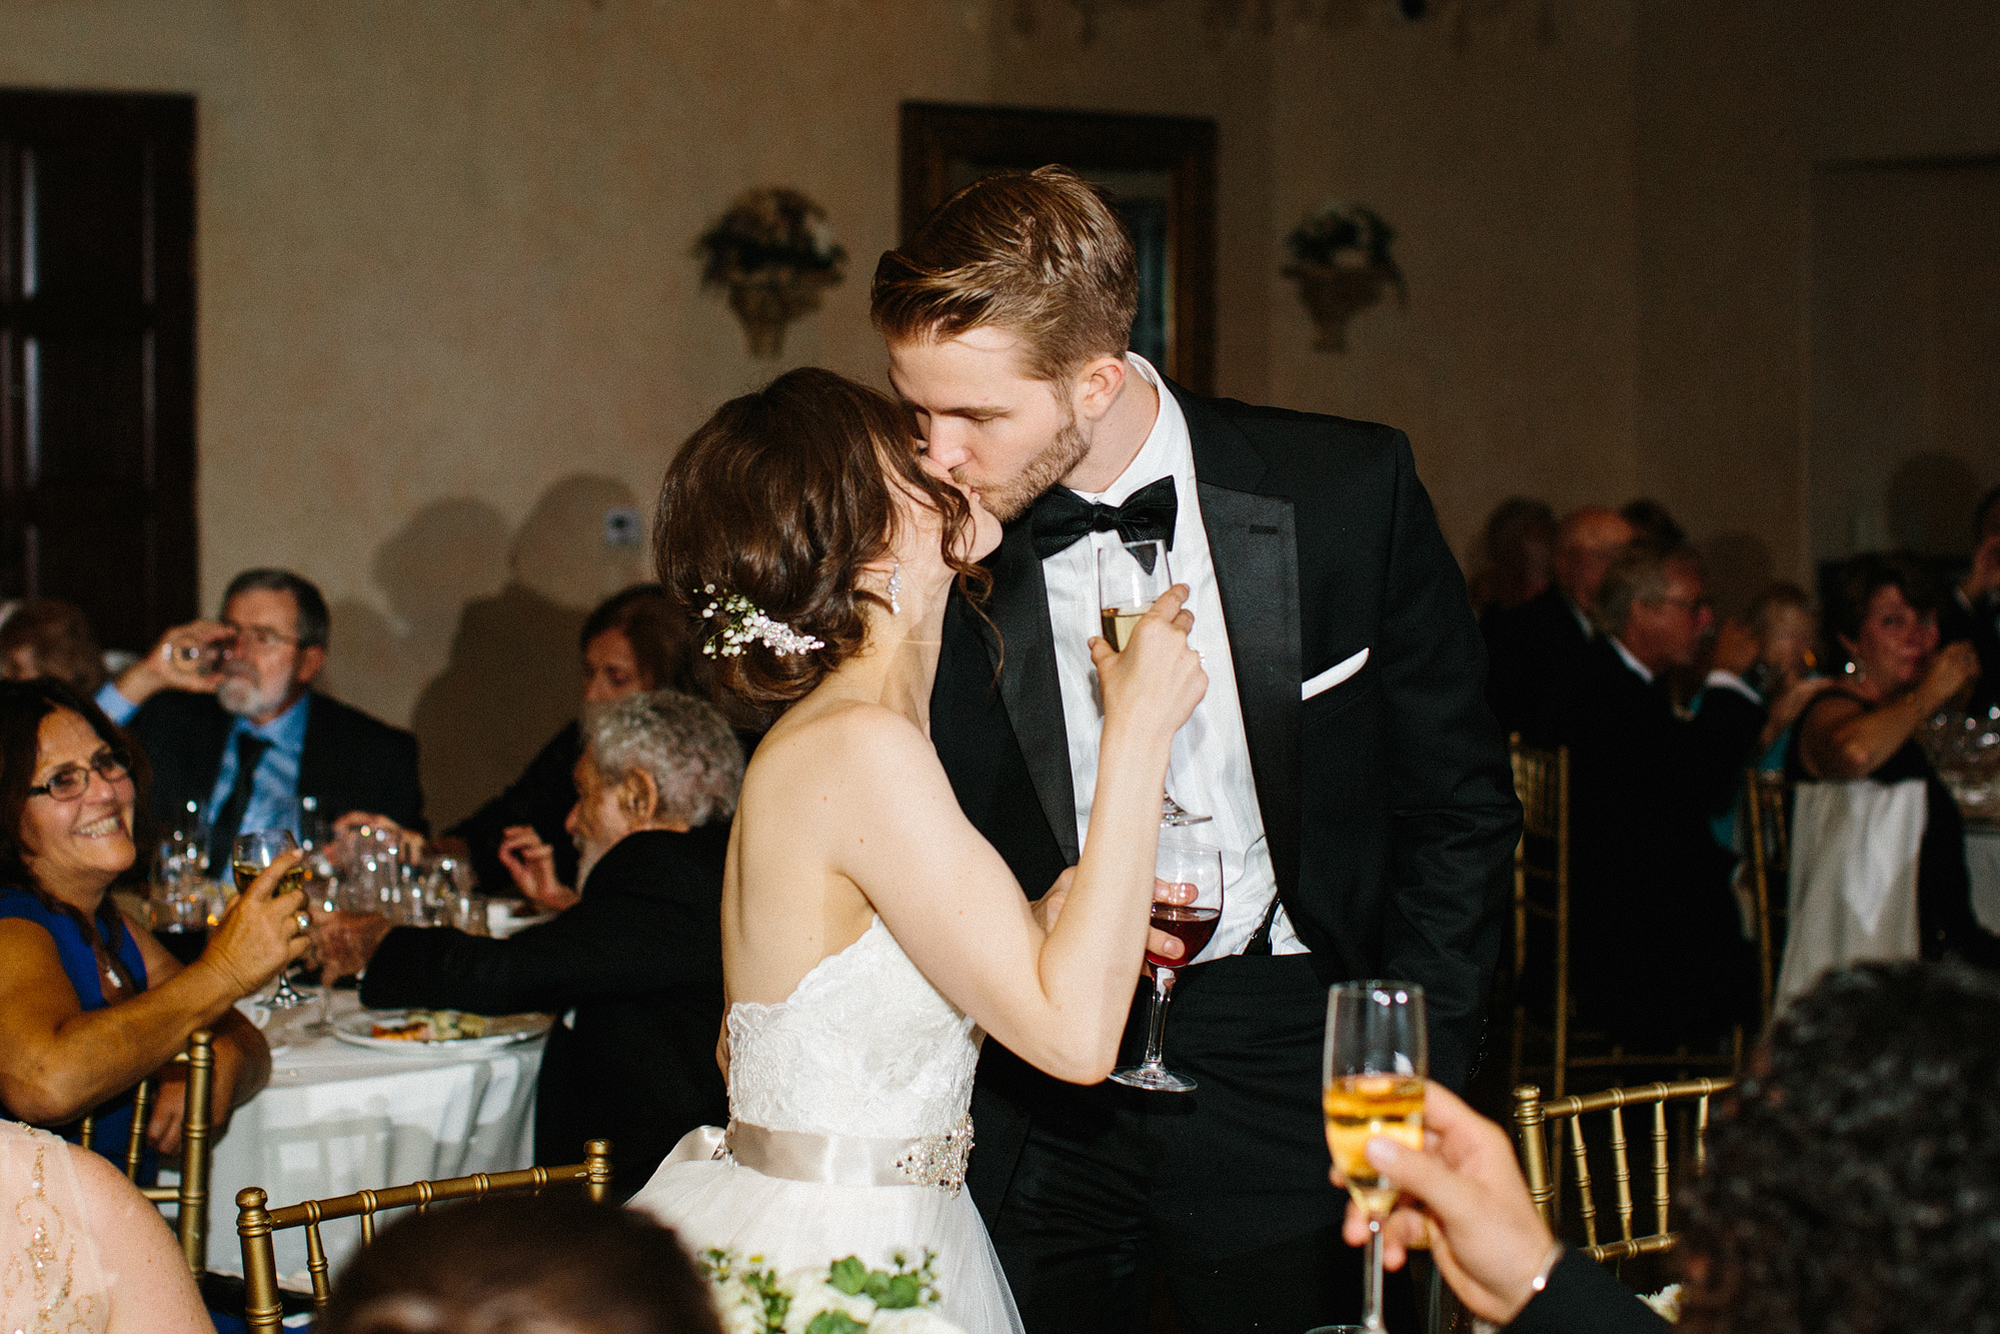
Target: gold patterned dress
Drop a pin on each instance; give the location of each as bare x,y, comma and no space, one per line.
51,1281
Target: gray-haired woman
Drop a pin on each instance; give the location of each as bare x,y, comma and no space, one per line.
635,968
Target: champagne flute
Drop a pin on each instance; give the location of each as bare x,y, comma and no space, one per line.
1374,1085
249,856
1130,578
1189,864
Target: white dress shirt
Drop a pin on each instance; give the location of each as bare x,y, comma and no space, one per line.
1210,772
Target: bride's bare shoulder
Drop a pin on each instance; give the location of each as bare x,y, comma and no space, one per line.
843,741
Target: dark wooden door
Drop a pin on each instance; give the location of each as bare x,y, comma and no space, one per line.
97,357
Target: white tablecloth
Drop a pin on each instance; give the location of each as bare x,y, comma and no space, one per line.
1982,859
338,1118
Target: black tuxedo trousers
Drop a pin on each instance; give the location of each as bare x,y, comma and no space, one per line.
1222,1191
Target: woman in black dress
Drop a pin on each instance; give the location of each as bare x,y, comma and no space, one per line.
1865,727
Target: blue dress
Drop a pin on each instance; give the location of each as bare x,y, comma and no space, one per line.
114,1118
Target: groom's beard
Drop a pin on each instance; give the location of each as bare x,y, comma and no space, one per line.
1009,500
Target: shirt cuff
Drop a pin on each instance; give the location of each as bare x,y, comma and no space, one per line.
116,707
1731,681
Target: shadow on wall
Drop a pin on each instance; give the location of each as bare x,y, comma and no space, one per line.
479,650
1929,505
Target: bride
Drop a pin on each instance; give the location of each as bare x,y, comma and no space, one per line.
869,934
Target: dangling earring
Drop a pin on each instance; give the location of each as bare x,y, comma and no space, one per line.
895,587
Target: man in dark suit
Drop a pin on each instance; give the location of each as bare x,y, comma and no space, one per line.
1535,652
1971,612
1358,786
634,968
228,716
1657,951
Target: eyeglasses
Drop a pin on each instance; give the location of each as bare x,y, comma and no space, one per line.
263,636
70,782
1685,604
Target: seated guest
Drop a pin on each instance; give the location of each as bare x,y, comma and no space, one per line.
1864,727
49,638
1652,522
554,1264
1535,650
1972,613
98,1259
635,641
635,968
1850,1182
245,734
1516,554
90,1004
1657,955
1782,619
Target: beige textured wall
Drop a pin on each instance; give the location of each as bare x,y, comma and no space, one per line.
447,310
1736,105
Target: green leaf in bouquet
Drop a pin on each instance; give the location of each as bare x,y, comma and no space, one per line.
849,1276
835,1322
899,1292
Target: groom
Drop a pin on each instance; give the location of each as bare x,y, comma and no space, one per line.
1359,787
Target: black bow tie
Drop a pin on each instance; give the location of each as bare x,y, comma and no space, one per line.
1061,516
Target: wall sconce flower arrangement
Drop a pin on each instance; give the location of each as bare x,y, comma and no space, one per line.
1341,263
774,255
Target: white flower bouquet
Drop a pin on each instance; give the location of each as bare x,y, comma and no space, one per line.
845,1297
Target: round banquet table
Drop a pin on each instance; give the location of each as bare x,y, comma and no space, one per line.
337,1118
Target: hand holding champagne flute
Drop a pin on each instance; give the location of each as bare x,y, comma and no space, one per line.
1130,578
1373,1085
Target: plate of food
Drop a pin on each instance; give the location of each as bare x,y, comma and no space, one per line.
435,1032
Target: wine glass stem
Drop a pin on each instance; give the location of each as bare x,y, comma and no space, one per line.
1156,1014
1373,1320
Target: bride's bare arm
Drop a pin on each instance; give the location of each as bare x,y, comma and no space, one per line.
1059,998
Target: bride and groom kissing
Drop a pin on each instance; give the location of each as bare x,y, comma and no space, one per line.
905,591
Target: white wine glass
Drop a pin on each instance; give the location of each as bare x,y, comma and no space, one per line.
1195,868
1373,1084
1131,576
249,856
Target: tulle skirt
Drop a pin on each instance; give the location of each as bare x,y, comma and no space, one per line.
808,1225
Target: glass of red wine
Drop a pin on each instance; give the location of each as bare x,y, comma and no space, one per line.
1195,869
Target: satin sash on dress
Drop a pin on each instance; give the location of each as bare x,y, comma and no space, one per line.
833,1160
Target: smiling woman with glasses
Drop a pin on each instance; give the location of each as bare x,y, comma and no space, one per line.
90,1003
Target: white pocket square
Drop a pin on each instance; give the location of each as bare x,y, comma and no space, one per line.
1333,675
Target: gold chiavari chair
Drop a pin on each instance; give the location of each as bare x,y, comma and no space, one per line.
190,1197
1764,802
1538,1140
1541,895
263,1308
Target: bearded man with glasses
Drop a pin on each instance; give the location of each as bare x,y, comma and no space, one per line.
226,711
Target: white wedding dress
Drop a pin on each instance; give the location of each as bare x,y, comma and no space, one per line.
851,1095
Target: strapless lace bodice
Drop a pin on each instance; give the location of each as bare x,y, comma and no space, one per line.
865,1046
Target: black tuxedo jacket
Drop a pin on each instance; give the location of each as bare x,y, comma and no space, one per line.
351,762
1387,799
639,960
1656,947
1583,1297
1534,655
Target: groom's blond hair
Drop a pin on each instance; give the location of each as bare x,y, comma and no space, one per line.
1036,253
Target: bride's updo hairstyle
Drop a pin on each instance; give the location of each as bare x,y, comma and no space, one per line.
781,498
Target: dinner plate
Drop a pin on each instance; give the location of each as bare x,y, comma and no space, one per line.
501,1031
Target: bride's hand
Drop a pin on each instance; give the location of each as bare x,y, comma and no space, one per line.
1156,682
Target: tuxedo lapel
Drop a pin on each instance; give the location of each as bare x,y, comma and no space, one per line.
1255,552
1253,545
1026,656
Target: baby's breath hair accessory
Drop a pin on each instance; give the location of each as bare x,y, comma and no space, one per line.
738,621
